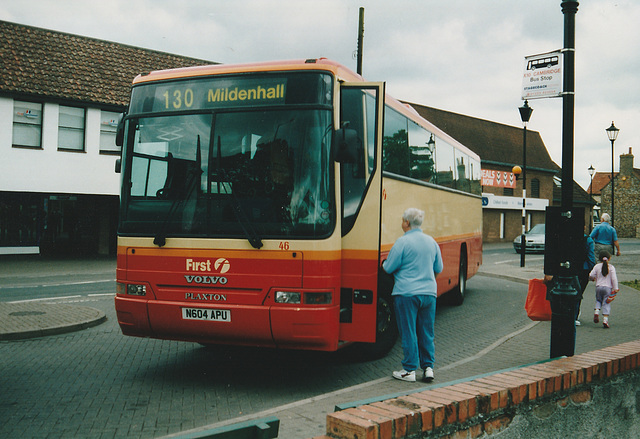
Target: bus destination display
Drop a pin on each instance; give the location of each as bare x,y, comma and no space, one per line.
207,94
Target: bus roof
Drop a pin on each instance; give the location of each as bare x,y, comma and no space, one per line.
269,66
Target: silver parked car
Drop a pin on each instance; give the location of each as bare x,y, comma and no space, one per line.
534,240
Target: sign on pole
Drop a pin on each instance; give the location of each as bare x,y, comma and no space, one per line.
542,76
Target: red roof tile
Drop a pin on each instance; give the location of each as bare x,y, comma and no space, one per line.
42,63
599,181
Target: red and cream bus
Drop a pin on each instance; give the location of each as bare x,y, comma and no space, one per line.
259,200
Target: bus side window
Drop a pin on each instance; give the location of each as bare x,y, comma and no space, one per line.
446,169
395,143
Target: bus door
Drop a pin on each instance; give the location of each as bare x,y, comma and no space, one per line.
359,153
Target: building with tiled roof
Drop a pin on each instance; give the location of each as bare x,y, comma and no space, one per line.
60,98
598,181
58,66
626,196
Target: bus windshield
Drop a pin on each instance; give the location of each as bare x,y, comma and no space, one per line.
260,173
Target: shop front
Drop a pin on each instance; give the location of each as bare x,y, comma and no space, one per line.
57,224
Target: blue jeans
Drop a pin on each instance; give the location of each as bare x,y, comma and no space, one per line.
416,320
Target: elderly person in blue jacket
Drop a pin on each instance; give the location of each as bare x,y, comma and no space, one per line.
414,261
605,236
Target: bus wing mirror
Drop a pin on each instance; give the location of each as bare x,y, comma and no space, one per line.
120,130
118,166
346,145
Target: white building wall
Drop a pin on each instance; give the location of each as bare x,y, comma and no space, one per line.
49,170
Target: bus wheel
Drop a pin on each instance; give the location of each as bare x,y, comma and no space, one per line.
457,295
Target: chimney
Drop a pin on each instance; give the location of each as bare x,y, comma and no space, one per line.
626,163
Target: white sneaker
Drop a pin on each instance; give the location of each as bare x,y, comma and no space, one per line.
404,375
428,375
577,322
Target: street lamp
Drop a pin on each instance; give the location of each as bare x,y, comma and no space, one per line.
612,133
525,115
592,171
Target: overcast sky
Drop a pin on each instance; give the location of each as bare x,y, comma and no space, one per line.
465,56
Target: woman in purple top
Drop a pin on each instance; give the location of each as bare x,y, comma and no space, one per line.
604,275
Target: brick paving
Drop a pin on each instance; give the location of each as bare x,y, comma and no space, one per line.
27,320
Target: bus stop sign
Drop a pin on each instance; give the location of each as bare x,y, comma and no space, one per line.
542,76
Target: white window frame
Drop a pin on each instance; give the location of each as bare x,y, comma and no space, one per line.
27,124
108,130
71,128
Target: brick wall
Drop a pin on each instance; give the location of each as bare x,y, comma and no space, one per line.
627,199
626,216
597,389
512,226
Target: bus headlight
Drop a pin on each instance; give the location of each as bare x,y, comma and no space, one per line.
132,289
137,290
287,297
308,298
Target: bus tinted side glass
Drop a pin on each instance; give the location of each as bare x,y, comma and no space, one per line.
358,113
395,146
467,173
412,151
421,153
446,172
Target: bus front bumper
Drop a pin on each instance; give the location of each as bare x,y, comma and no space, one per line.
291,327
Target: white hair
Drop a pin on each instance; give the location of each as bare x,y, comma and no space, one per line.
414,216
605,217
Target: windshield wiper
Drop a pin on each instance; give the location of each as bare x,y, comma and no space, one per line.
246,225
194,176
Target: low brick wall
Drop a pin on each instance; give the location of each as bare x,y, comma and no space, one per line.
595,394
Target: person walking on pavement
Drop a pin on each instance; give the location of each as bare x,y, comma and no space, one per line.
583,277
604,274
414,261
605,237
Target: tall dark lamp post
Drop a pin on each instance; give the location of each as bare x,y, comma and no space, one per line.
592,171
525,115
565,225
612,133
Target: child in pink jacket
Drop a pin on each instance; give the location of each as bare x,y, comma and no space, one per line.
604,274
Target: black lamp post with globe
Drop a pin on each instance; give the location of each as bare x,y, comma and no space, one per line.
525,115
612,133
